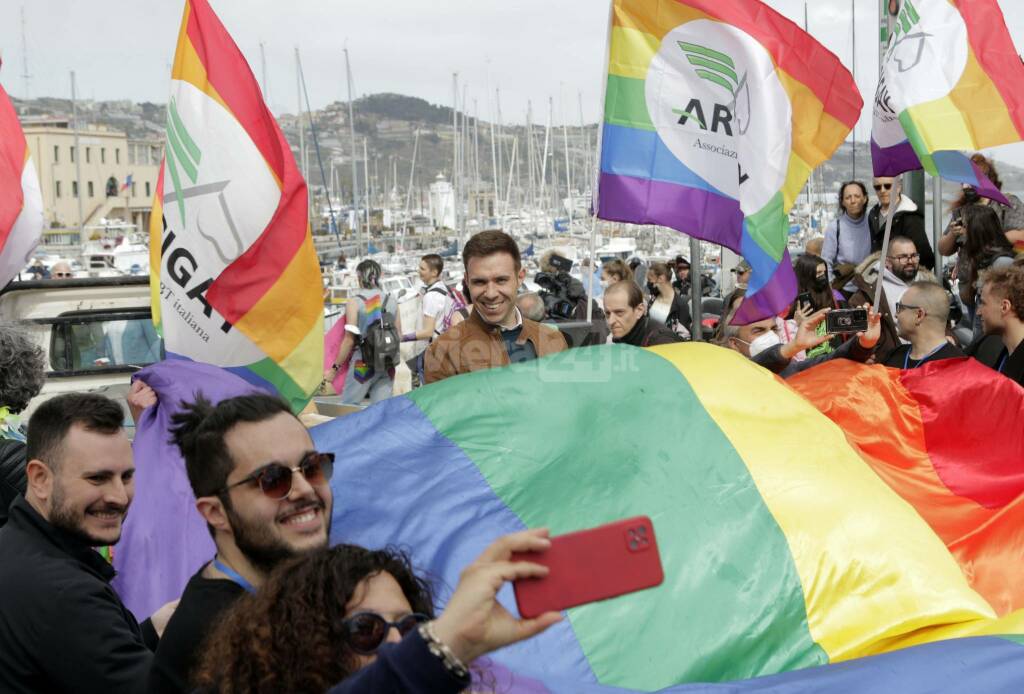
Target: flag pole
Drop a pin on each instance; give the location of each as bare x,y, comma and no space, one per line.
696,312
894,196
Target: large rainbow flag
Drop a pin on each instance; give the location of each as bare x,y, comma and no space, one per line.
716,112
872,547
951,80
21,201
234,274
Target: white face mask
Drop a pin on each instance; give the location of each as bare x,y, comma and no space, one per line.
764,342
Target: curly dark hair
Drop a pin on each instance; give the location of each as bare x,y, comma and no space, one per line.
288,637
22,368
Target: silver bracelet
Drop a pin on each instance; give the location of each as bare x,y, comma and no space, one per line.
440,649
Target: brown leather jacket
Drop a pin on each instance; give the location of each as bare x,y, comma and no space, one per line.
474,345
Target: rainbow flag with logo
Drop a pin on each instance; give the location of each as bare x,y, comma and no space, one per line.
716,112
235,279
21,201
952,81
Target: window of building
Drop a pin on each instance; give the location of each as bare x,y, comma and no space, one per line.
103,155
56,154
117,155
88,154
57,191
72,148
133,189
90,185
147,189
74,189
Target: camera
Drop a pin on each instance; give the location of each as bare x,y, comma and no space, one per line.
560,292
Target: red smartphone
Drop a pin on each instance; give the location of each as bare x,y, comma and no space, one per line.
591,565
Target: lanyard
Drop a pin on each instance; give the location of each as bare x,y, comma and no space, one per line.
906,357
233,575
1002,363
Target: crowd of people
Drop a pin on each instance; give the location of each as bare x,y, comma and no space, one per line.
275,608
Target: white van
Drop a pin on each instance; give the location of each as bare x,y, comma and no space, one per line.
96,332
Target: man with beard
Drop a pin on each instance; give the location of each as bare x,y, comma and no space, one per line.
265,494
62,627
901,269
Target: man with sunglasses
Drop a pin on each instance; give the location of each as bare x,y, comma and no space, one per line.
922,317
264,492
907,221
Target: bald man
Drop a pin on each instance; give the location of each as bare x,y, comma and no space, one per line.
61,270
814,246
922,316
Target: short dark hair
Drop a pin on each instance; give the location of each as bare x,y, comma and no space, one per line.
22,368
199,431
633,294
900,239
434,262
51,422
486,243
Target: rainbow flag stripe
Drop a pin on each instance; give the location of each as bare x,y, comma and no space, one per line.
373,305
234,275
784,547
952,81
716,112
21,201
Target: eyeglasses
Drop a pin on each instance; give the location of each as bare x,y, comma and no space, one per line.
882,186
900,308
367,630
905,257
275,479
62,275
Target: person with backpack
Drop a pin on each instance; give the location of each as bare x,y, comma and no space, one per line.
372,340
439,303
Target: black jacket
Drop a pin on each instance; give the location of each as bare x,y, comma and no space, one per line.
907,223
990,351
648,333
678,312
62,627
12,474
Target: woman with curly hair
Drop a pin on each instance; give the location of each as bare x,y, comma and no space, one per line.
22,373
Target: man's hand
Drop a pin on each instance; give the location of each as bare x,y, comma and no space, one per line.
162,616
807,336
140,396
870,337
474,622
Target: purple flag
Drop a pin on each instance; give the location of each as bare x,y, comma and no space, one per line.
165,540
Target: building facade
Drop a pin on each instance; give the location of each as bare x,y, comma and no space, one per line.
82,186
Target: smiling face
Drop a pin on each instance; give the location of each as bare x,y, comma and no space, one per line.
493,284
266,530
92,485
427,274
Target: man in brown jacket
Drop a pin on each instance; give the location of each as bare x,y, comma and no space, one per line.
496,333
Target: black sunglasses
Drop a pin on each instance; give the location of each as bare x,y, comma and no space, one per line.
275,479
367,630
882,186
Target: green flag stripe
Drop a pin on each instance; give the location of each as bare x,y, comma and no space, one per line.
186,139
553,468
707,53
287,388
181,155
626,103
173,170
714,66
716,78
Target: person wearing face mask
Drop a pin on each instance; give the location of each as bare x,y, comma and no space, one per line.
901,269
813,284
762,343
665,306
922,316
614,271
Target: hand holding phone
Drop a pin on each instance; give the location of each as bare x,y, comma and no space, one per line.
591,565
846,320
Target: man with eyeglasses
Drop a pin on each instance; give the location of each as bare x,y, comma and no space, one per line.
265,494
908,221
61,270
922,317
901,269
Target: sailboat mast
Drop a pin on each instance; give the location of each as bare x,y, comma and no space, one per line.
455,153
568,169
544,158
531,165
366,181
352,143
501,138
263,73
302,132
412,172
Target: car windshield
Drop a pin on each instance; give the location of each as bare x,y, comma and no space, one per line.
96,344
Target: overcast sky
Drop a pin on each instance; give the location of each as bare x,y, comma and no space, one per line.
531,49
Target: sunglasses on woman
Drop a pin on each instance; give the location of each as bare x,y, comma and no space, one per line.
368,630
275,479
